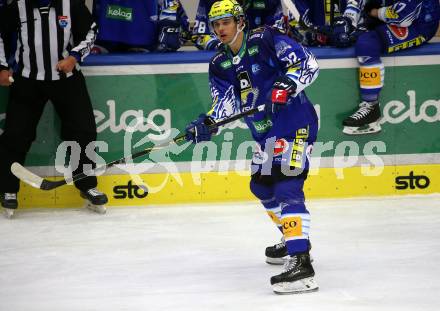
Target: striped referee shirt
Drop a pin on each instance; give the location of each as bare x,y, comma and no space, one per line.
47,32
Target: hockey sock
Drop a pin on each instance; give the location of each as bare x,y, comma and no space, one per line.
267,198
273,209
371,78
296,228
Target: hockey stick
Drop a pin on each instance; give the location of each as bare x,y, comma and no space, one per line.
44,184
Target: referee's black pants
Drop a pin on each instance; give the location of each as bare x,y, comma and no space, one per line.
27,99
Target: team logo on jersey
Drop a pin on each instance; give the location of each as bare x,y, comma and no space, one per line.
400,33
281,146
63,21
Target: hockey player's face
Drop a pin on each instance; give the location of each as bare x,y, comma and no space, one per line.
225,29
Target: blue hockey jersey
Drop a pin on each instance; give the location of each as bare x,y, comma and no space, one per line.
132,22
245,80
136,22
404,13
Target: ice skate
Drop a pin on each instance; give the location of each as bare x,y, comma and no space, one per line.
277,254
9,203
95,200
297,276
364,121
8,212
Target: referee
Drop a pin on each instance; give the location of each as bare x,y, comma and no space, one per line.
53,37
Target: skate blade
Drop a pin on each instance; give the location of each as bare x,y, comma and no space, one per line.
280,261
99,209
298,287
368,129
8,213
276,261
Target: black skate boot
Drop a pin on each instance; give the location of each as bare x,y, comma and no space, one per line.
95,200
9,203
297,276
364,121
276,254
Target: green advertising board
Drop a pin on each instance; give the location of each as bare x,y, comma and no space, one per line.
410,105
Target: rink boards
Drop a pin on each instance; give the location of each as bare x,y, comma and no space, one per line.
403,159
188,188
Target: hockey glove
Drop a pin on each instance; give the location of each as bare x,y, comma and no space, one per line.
169,36
198,130
317,36
341,32
206,42
283,87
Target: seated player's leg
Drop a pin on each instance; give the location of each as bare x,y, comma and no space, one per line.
366,118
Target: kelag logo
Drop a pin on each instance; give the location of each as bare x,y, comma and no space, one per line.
412,181
129,191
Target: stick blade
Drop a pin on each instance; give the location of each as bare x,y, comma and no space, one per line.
26,176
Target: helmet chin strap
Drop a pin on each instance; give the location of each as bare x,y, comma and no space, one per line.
239,29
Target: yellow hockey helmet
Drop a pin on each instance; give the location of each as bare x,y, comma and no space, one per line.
225,8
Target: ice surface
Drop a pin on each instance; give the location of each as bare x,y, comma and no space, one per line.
370,254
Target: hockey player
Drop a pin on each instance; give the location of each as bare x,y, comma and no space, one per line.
258,13
393,26
139,25
50,49
173,25
263,66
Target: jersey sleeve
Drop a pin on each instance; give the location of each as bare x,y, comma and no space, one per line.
304,12
3,62
173,10
84,30
401,13
201,23
275,18
298,62
9,22
224,100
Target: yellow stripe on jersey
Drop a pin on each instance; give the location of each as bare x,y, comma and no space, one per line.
298,148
